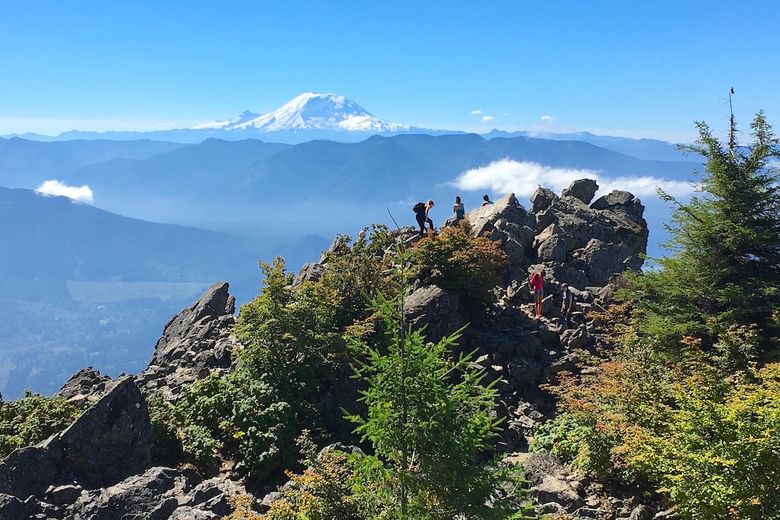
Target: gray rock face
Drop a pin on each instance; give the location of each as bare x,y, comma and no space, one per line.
620,202
309,273
541,199
11,508
63,495
194,343
582,190
436,309
159,492
108,442
148,495
507,221
86,384
584,246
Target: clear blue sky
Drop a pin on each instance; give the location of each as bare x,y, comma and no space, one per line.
630,68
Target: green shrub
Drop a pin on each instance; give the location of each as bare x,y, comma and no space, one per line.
284,381
564,437
32,419
456,260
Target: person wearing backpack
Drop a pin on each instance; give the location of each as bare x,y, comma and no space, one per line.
537,286
421,214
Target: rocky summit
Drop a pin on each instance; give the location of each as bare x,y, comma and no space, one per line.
101,466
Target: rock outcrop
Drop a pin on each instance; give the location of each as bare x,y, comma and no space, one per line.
578,244
435,309
194,343
109,441
85,385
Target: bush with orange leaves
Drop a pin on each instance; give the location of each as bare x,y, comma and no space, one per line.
456,260
706,440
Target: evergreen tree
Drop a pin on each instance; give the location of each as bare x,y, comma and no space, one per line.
429,419
725,267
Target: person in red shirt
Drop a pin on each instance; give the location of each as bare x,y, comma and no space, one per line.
537,285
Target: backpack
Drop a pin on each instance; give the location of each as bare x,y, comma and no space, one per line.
419,207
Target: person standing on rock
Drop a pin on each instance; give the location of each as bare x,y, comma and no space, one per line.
537,285
459,209
567,305
486,201
421,214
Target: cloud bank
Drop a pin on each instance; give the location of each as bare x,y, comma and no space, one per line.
522,178
57,188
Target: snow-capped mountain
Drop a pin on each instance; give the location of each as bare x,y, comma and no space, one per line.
309,111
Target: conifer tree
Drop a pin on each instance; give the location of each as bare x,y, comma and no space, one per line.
429,419
725,266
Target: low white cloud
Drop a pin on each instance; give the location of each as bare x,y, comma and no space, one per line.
547,119
488,119
57,188
523,177
476,112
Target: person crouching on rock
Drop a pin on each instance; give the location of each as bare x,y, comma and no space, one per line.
421,214
537,285
459,209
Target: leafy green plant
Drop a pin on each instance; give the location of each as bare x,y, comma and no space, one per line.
429,419
32,419
285,380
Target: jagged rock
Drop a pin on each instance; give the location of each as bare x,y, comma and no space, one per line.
620,201
108,442
11,508
551,508
310,272
436,309
149,495
581,189
194,343
193,513
214,495
554,489
541,199
505,220
85,385
577,338
63,495
586,246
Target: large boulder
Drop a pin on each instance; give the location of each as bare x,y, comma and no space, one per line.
582,190
620,201
194,343
541,199
435,309
108,442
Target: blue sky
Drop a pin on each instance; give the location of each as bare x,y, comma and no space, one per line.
622,68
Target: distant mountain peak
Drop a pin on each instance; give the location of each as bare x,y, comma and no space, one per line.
309,111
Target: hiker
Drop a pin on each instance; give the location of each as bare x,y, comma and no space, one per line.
459,209
567,305
421,214
537,285
486,201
